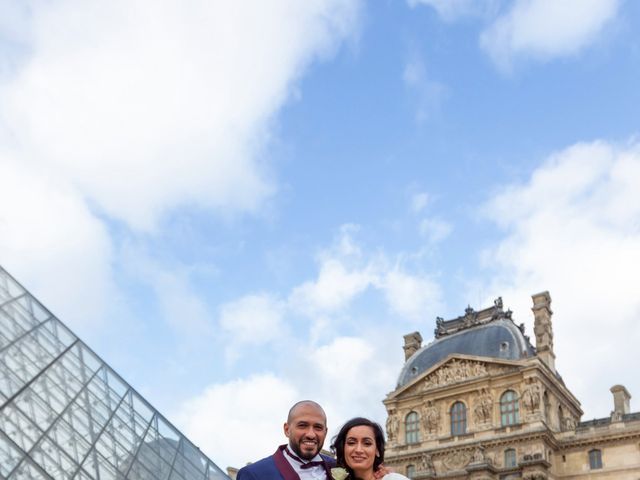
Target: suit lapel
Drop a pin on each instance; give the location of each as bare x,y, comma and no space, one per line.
285,469
327,468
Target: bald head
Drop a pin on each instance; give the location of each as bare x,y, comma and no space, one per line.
306,429
307,404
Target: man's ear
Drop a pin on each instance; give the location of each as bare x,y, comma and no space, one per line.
286,429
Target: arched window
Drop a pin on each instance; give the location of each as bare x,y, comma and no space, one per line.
411,471
412,428
595,459
509,458
458,419
509,408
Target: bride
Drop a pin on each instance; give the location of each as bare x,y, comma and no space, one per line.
359,450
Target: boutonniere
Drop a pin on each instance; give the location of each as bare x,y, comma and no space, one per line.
339,473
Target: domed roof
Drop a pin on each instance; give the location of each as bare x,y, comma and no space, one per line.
488,333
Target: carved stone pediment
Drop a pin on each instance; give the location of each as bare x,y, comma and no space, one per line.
455,369
460,370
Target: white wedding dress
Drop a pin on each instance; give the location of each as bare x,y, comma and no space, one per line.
394,476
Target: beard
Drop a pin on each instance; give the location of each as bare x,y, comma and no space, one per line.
304,454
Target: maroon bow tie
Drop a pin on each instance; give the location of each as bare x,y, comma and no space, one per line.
303,465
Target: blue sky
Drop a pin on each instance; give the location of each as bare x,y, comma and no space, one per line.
242,205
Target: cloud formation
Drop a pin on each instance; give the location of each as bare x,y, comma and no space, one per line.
54,244
122,112
317,342
451,10
334,288
574,229
538,30
429,94
144,108
345,273
434,229
411,296
546,29
419,201
252,320
241,420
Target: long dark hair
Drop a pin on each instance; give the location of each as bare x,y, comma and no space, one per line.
337,445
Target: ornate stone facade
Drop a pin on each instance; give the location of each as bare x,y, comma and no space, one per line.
431,418
483,408
502,413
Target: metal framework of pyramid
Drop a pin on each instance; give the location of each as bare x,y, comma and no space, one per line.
65,414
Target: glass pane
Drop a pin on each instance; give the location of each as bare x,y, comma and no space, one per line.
98,467
70,440
9,456
72,413
26,471
214,472
18,428
53,460
9,382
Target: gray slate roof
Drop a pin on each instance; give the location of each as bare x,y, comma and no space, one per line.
500,338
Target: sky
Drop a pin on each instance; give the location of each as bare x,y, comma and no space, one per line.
239,205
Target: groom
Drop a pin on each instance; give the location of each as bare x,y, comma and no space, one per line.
306,429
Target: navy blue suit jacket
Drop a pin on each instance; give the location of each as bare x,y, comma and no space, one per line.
276,467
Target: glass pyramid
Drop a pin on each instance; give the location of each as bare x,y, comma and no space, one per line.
65,414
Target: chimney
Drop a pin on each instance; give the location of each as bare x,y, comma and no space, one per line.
621,399
543,329
412,343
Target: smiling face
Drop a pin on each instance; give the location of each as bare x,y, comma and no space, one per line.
360,450
306,430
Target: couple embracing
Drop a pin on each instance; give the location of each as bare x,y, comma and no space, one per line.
358,446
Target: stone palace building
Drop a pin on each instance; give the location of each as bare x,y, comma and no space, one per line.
481,402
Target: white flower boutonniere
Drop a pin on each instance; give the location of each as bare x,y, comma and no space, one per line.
339,473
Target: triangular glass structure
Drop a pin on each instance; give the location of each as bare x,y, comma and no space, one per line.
65,414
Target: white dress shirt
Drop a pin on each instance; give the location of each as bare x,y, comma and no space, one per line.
317,472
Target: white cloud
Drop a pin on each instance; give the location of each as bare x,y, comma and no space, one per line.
429,93
352,374
574,229
546,29
434,229
419,201
346,273
345,244
148,106
182,308
239,421
132,109
348,374
451,10
411,296
255,319
334,288
53,245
